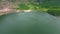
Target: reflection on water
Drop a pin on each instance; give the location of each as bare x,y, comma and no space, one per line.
29,23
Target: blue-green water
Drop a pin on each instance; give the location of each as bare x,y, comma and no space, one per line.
29,23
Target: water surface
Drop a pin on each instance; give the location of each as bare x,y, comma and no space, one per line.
29,23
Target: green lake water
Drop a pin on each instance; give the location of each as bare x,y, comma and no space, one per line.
29,23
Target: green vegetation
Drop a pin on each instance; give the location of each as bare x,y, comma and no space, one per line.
23,7
34,5
54,12
41,5
28,6
52,6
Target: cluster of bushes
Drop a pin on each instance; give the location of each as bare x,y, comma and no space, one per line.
54,12
28,6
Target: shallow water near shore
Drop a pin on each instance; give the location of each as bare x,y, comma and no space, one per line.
29,23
